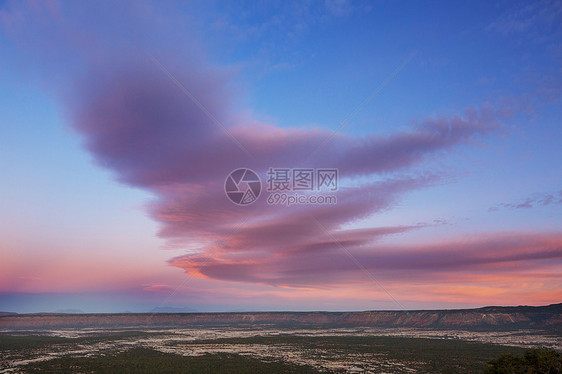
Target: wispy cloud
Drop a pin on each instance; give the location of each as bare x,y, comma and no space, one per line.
528,18
157,288
321,263
535,200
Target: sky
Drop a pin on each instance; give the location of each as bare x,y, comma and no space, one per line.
121,122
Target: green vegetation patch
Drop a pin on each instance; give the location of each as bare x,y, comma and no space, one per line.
19,343
431,355
142,360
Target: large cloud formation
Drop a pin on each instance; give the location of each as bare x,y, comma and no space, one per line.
154,113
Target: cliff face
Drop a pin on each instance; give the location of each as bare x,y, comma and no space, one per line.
489,318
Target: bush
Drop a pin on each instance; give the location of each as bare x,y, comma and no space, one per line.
534,361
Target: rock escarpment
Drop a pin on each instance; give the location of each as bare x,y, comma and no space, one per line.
488,318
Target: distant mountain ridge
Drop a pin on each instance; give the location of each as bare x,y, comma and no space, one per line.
486,318
172,310
70,311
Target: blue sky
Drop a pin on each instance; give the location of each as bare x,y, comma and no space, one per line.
79,219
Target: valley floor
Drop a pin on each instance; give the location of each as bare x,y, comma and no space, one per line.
261,349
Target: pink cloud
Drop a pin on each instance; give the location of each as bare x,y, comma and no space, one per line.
158,288
324,263
137,122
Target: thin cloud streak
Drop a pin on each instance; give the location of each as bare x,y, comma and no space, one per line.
533,201
500,253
